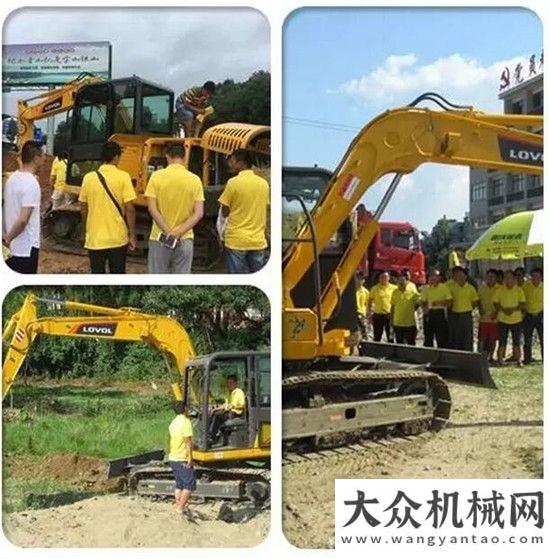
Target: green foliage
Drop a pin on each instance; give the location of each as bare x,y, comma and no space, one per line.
216,318
438,248
98,422
247,101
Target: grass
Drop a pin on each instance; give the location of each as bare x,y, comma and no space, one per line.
96,422
24,493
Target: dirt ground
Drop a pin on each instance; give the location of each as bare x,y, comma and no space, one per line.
121,521
113,519
491,436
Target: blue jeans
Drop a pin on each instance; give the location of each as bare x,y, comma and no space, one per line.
244,261
183,112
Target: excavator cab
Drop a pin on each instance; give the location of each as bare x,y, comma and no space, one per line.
125,106
204,388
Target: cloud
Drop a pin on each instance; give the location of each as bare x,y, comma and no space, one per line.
402,77
176,47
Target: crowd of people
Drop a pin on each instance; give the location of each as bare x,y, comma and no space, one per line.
175,201
509,305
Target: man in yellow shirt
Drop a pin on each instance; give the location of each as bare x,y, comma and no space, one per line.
108,213
181,457
436,299
362,299
230,413
175,200
380,307
404,302
534,304
509,301
452,261
488,325
465,300
58,175
244,204
406,273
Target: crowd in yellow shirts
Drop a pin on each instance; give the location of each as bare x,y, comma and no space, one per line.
509,305
175,200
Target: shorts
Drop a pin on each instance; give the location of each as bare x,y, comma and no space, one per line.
488,331
514,329
184,476
183,112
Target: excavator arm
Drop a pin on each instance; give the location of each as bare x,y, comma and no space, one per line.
47,104
397,141
125,325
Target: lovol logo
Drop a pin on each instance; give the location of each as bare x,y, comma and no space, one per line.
52,105
105,329
512,151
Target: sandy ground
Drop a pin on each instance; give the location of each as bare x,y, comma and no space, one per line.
492,436
121,521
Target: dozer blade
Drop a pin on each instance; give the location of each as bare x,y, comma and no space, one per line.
122,466
453,364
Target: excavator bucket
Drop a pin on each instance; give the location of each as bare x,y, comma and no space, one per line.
451,364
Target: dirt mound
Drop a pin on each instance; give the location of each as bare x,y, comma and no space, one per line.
120,521
84,472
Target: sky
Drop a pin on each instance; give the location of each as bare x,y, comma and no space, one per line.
345,66
175,47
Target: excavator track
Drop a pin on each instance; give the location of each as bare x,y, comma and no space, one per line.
405,404
239,483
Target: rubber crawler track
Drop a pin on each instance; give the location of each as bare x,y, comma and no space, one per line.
438,389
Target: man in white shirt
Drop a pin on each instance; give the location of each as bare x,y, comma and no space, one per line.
21,234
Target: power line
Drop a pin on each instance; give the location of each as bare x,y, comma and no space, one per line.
320,124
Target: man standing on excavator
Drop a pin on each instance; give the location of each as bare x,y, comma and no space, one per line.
192,103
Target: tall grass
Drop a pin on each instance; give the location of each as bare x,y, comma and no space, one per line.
95,422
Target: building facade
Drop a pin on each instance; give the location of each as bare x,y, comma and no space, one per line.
495,194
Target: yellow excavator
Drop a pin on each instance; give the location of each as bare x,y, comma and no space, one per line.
138,114
338,389
235,467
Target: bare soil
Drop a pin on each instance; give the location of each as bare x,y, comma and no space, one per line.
121,521
494,434
83,472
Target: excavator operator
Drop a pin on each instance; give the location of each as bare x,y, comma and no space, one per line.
230,413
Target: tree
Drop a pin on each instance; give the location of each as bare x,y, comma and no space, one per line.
217,318
438,245
248,101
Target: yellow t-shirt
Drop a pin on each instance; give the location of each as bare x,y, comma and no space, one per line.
105,227
181,428
534,297
362,297
247,197
453,259
411,287
237,401
432,294
464,296
509,297
380,295
403,304
176,190
59,171
486,298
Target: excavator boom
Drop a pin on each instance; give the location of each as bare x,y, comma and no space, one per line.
397,141
125,325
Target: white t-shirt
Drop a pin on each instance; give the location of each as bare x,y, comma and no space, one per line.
22,191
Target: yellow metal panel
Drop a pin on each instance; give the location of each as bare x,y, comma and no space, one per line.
226,138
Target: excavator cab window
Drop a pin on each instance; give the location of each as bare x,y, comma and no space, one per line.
124,104
156,110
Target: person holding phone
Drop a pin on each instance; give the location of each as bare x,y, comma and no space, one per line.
175,199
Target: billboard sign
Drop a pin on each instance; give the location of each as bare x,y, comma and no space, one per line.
51,64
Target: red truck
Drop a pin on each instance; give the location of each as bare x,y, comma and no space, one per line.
396,246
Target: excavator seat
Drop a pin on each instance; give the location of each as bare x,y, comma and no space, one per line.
235,432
